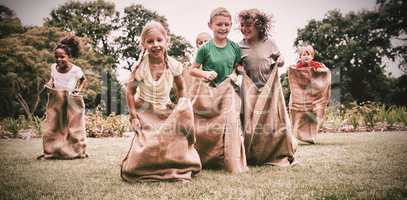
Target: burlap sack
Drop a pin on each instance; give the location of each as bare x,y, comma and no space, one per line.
163,147
267,128
217,124
64,135
310,95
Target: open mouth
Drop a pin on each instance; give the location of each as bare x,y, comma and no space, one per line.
155,51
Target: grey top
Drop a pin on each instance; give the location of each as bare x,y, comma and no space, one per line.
259,60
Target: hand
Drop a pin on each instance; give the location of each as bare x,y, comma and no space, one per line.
240,69
280,61
319,69
134,122
76,91
210,75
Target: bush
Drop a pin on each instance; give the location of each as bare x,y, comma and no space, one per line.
99,125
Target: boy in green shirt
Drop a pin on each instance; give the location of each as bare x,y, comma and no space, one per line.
220,55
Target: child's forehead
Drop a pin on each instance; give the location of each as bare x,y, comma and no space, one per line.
221,18
155,32
59,52
203,37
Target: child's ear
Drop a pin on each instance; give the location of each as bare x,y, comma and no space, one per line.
209,25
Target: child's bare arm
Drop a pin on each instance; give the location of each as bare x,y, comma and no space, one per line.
207,75
180,85
82,83
280,61
130,90
131,103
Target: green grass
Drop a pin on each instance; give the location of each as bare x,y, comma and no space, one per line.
340,166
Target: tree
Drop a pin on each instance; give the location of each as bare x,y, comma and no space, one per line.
25,61
9,23
392,17
132,23
93,19
178,47
354,46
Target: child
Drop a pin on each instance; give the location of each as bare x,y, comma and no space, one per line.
163,146
306,59
201,39
310,85
64,128
272,142
216,109
64,74
219,55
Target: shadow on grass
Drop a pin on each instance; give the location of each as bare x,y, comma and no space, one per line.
323,144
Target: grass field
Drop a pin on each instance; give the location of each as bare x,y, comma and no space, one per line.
340,166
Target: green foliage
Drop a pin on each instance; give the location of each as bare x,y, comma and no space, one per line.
392,117
352,114
9,23
25,61
369,111
99,125
354,44
334,117
36,124
132,23
12,125
92,19
365,116
393,19
178,47
402,115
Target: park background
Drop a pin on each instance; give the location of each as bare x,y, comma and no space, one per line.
360,153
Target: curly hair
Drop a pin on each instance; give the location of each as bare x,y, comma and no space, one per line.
71,45
261,20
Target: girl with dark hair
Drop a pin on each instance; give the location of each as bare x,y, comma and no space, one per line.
64,135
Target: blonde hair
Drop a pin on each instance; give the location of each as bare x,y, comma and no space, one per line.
150,26
306,48
220,11
146,30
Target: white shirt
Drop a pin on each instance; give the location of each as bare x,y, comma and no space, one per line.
156,92
66,81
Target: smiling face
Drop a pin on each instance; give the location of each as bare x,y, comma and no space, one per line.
306,56
220,25
155,42
249,31
61,57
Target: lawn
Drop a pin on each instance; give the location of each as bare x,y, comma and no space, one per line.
340,166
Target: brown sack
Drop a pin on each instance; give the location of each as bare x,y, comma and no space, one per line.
268,135
310,94
64,135
163,147
218,126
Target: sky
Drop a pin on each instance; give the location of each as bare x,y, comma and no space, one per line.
188,17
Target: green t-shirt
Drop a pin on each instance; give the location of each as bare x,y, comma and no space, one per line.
220,60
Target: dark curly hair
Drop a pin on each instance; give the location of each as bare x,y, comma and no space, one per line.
71,45
261,20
